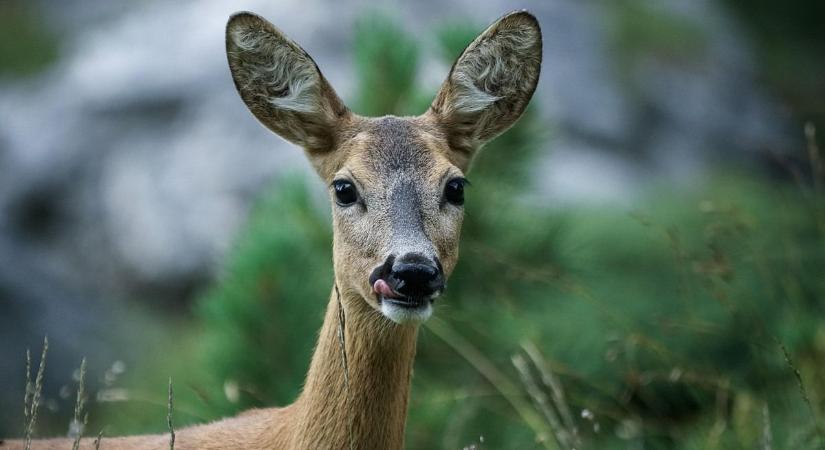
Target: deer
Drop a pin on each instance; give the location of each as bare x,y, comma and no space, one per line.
396,186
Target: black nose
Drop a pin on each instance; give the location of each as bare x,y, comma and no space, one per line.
414,275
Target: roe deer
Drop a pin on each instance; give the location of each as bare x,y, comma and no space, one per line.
397,188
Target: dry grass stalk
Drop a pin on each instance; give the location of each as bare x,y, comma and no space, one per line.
169,418
33,392
563,438
803,392
550,380
98,439
767,434
77,426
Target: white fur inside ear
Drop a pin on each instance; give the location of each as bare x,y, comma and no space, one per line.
286,78
469,98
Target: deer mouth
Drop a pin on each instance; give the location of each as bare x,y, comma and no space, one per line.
400,308
385,293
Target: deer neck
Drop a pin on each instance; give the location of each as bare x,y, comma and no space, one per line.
365,400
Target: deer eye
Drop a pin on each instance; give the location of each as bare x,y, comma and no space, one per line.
345,192
454,191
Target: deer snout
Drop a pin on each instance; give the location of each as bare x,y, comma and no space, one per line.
417,278
413,277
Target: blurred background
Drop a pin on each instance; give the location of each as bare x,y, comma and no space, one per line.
643,255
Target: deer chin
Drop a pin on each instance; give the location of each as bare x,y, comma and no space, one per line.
406,310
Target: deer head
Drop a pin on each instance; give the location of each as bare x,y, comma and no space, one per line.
396,183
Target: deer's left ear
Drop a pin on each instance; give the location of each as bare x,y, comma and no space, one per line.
490,84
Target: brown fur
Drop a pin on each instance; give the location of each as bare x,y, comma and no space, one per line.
358,398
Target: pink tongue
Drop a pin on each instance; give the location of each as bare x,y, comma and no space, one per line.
382,288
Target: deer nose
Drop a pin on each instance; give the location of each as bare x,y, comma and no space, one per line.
416,276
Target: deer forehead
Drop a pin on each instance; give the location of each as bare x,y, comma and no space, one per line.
390,153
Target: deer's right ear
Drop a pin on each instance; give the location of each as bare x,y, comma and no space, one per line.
281,84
